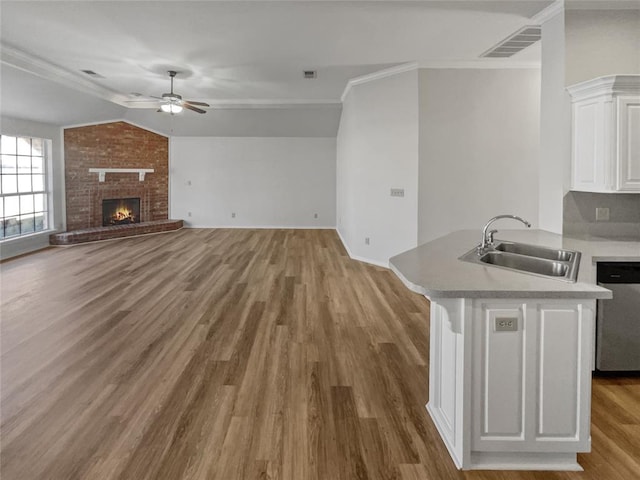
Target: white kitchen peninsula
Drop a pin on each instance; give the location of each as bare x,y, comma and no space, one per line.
510,353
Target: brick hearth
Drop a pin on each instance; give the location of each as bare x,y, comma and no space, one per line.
113,231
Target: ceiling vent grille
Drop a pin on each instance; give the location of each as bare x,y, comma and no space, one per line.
310,74
515,43
91,73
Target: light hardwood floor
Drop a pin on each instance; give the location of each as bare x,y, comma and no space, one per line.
235,354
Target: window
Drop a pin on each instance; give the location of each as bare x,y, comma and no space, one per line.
23,186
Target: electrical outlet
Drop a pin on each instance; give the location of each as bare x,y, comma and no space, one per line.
189,182
233,215
602,214
397,192
188,214
315,215
506,324
366,240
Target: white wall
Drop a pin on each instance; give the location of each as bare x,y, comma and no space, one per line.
266,182
577,45
601,42
299,121
479,137
18,246
377,149
598,43
555,127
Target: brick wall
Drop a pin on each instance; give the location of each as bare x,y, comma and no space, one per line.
114,145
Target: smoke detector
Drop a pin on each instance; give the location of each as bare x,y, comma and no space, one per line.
515,43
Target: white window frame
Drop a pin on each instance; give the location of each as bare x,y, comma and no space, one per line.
46,191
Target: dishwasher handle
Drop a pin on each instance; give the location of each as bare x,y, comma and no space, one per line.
619,272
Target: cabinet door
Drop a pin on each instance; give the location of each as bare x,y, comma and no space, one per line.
531,376
588,150
563,376
502,388
628,144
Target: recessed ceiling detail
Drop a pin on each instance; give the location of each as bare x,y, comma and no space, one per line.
515,43
310,74
244,62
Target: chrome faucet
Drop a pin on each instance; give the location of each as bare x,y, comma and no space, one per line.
487,235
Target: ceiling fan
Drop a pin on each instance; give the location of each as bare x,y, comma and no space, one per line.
173,103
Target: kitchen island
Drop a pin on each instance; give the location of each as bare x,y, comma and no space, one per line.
510,353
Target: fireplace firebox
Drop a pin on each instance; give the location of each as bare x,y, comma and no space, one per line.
120,211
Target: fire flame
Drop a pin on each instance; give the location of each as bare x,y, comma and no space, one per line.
122,213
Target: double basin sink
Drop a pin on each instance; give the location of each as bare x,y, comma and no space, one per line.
547,262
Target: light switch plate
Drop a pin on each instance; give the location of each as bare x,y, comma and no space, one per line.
506,324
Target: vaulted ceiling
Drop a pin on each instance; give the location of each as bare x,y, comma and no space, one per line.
245,58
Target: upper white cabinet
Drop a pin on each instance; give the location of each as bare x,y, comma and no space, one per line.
606,134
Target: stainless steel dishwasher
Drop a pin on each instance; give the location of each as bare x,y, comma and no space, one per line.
618,320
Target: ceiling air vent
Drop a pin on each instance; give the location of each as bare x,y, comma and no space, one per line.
91,73
515,43
310,74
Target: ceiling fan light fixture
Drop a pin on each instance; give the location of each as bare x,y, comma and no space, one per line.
171,108
173,103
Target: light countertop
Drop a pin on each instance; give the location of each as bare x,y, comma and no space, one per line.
434,270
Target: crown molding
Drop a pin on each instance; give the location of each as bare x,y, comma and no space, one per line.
485,63
387,72
602,4
256,103
560,6
607,85
34,65
250,103
548,13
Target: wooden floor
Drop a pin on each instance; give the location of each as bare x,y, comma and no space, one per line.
235,354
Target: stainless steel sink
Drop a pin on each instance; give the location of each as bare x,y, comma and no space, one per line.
535,251
546,262
540,266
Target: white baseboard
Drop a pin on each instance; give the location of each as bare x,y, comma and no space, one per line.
265,227
538,461
359,258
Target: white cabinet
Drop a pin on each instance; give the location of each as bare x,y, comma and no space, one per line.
510,381
531,385
606,134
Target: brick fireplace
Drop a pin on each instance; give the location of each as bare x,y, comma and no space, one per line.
114,145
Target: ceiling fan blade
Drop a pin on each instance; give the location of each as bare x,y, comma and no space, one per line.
199,104
192,108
